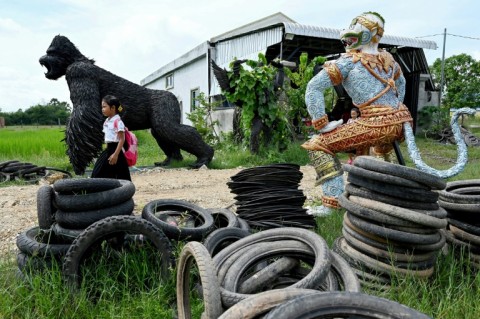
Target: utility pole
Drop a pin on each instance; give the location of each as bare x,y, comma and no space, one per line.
443,67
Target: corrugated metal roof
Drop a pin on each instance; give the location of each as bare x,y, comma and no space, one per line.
274,19
331,33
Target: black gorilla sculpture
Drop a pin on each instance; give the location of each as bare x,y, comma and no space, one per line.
145,108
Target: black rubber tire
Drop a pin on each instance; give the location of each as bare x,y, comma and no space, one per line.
179,233
459,207
321,266
460,244
262,251
373,164
343,271
223,218
36,242
258,304
85,185
411,215
383,245
5,164
406,193
36,169
45,208
454,185
381,177
385,254
472,229
359,259
112,197
464,236
369,194
267,274
243,224
15,168
371,214
392,234
397,246
196,252
110,227
33,264
222,237
79,220
341,304
66,234
450,196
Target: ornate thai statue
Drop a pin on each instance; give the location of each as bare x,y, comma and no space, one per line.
376,85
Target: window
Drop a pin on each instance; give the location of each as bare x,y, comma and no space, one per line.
169,81
194,102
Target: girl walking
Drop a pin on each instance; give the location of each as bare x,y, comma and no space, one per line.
112,162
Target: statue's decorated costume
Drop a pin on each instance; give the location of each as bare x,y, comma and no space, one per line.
376,85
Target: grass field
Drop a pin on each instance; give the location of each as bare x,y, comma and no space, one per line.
452,292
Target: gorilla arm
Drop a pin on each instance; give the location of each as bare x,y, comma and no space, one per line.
83,135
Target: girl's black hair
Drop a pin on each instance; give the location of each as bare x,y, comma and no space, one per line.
113,101
356,109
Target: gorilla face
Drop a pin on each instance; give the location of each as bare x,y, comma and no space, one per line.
56,65
60,54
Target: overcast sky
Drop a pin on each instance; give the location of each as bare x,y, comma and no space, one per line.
134,38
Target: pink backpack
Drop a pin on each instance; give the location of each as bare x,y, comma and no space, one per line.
132,153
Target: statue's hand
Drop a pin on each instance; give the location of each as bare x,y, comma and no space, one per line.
331,126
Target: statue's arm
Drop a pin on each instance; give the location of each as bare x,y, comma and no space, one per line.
314,98
83,84
400,82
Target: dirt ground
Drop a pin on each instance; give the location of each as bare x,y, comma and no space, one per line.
204,187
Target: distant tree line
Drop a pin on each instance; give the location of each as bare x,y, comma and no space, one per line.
52,113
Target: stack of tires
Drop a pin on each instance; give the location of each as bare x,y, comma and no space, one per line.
461,199
393,223
81,202
26,172
269,197
64,210
272,260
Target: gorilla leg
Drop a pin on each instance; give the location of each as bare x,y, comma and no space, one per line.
188,139
171,150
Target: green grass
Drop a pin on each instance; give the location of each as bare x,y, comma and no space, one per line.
452,292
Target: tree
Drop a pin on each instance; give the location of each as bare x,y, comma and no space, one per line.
55,112
461,80
296,90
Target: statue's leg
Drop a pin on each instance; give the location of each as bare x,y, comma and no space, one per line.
171,150
329,178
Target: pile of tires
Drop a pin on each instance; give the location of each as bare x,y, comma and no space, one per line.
182,220
84,201
393,223
27,172
269,197
277,273
273,259
461,199
64,210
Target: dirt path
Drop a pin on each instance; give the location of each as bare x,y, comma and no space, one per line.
204,187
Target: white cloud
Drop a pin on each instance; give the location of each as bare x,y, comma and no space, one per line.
133,39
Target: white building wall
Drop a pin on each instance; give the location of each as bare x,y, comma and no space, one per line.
193,75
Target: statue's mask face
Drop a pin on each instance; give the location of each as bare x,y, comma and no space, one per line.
362,31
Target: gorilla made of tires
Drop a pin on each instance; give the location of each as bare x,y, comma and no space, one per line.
157,110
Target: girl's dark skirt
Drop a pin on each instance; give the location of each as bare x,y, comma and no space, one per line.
102,169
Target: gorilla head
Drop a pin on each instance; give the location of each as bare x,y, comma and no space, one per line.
60,54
